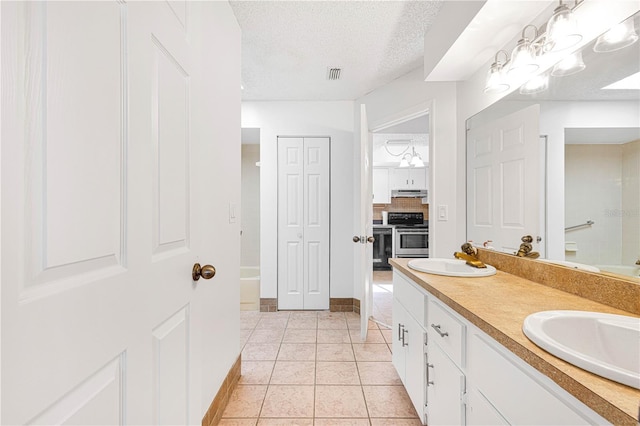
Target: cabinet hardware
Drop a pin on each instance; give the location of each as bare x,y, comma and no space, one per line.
404,331
399,332
437,328
429,382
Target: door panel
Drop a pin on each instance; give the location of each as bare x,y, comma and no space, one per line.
99,232
364,224
504,180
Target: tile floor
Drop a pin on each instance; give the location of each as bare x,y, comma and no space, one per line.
311,368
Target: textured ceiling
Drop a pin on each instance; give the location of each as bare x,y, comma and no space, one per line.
287,46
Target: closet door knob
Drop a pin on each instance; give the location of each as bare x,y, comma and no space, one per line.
207,272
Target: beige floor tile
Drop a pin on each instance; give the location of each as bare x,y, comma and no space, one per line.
387,335
396,422
333,336
332,323
303,323
337,373
330,315
237,422
341,422
378,373
354,324
266,335
303,314
248,323
294,335
245,401
297,352
294,373
283,401
244,337
340,401
388,401
260,351
335,352
268,322
371,352
278,314
285,422
256,372
373,336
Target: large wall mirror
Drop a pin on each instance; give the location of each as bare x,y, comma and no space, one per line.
585,170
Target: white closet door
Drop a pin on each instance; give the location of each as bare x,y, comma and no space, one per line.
316,223
104,141
290,223
303,223
503,180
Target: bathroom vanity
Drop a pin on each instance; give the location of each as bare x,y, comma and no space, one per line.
460,351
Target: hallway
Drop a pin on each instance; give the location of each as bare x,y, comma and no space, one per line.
310,368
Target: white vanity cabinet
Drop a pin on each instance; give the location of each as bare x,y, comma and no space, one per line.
409,338
381,185
445,361
464,376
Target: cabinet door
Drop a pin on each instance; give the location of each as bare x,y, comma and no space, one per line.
400,178
444,390
481,412
398,353
381,187
414,340
417,178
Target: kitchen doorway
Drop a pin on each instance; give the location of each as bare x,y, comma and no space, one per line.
400,167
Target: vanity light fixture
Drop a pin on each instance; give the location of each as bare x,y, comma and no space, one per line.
571,64
523,57
618,37
536,84
496,81
562,29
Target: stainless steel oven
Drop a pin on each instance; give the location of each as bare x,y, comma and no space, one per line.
411,237
382,247
412,241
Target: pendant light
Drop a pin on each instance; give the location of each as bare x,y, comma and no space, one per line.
405,162
571,64
523,58
416,160
620,36
496,81
562,30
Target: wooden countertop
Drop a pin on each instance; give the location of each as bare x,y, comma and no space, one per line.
498,306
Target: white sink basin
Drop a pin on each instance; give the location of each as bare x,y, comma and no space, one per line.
605,344
450,267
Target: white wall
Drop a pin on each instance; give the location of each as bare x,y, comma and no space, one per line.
250,213
410,95
333,119
630,203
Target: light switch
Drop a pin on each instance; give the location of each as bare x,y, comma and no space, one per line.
443,212
232,212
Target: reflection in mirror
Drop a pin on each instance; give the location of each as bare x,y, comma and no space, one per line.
590,126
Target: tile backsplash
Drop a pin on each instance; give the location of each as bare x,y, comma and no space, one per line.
401,205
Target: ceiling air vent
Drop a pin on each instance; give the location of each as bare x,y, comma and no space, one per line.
333,73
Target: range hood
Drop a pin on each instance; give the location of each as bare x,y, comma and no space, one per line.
409,193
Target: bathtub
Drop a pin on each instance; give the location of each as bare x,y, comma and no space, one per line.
249,288
631,271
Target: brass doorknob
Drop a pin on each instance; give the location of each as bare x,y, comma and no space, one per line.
371,239
356,239
207,272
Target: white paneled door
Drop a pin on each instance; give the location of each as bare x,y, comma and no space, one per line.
504,180
107,122
303,223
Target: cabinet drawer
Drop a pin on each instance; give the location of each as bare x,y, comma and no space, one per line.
412,298
445,329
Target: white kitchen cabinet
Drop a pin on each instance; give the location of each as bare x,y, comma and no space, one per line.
409,340
409,178
381,186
